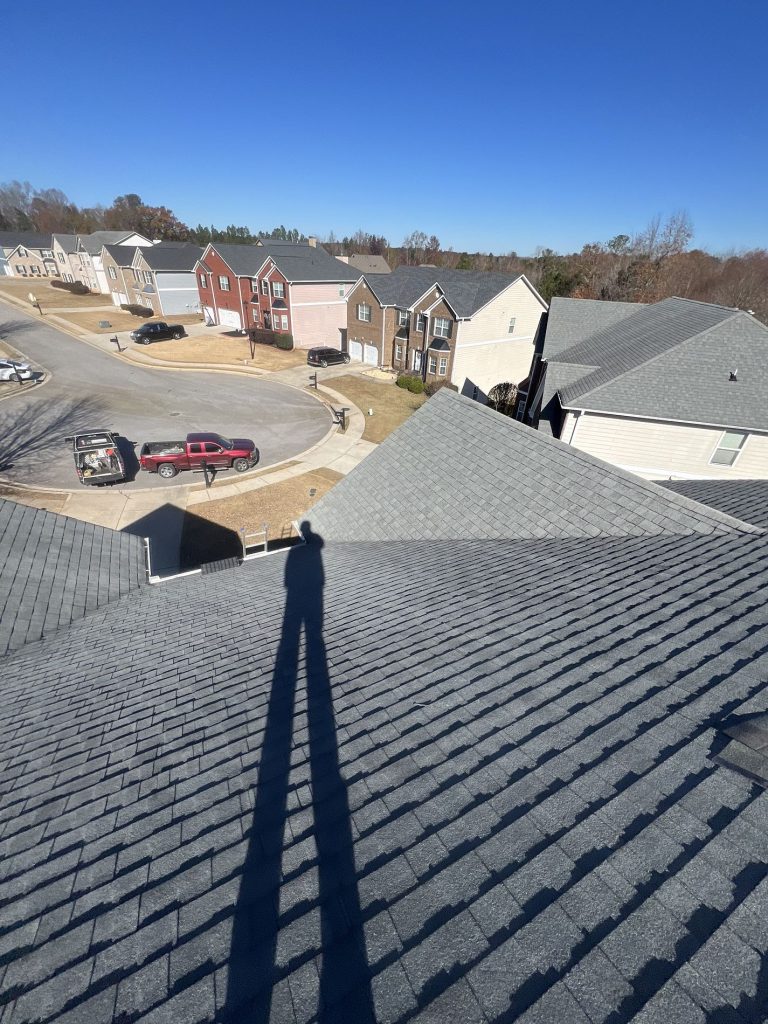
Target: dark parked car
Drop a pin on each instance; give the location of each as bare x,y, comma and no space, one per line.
326,356
148,333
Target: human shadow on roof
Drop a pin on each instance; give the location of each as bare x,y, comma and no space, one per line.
338,944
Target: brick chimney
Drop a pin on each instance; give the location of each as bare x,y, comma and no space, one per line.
312,241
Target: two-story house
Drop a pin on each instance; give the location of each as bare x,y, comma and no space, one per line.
27,254
676,389
281,286
471,328
160,277
86,261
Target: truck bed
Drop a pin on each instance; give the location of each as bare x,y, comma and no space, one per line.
164,448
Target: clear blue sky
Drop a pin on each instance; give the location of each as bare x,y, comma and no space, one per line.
496,127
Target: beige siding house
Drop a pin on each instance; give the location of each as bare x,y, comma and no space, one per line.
675,390
27,254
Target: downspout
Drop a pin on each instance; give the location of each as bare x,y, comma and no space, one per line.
576,416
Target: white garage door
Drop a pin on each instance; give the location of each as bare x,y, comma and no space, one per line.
371,355
228,318
120,298
356,350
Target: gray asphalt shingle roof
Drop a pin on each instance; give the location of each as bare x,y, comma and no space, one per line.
122,254
55,570
467,291
369,264
745,499
571,321
172,257
94,242
67,242
482,475
29,239
672,360
418,781
296,262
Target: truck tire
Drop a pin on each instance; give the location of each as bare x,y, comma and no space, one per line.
167,470
176,335
240,465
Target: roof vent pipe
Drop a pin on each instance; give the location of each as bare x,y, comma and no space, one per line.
733,375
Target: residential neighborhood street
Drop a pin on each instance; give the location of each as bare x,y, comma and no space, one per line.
91,389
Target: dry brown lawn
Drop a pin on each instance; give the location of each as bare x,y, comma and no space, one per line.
119,320
50,298
221,348
391,405
211,529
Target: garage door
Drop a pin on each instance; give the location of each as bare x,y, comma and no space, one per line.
120,298
356,350
228,318
371,355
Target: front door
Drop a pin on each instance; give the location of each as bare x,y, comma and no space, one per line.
417,362
215,454
196,456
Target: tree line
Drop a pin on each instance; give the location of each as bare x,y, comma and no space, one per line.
643,267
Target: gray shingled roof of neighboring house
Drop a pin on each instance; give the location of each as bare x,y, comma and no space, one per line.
54,570
67,242
29,239
571,321
296,262
122,254
172,257
482,475
486,791
557,376
745,499
94,242
467,291
369,264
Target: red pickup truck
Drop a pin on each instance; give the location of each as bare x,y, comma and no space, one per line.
171,457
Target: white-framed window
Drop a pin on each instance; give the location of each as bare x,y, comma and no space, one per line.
416,360
442,367
432,363
112,273
364,312
442,327
402,318
47,254
341,291
255,316
203,281
21,269
398,352
255,286
147,277
284,319
511,328
23,252
35,271
421,323
62,257
265,287
728,447
278,290
224,282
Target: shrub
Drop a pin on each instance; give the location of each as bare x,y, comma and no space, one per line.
503,398
75,287
410,382
134,310
284,341
433,386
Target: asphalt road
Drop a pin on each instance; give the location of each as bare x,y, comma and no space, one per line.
92,390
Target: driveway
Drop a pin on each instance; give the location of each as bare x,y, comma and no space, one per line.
91,389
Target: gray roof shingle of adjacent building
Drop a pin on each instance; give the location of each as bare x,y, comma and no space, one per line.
67,242
467,291
94,242
122,254
571,321
29,239
298,262
672,360
481,475
745,499
56,570
465,781
369,264
179,258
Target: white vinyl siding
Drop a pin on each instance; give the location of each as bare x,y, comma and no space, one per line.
659,449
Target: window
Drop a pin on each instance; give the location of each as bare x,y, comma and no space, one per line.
511,328
62,257
728,448
417,361
364,312
399,353
255,316
195,449
223,282
402,318
284,318
23,251
21,269
278,290
203,281
47,254
341,291
35,271
421,323
147,277
211,448
432,364
112,273
265,287
255,286
442,327
443,367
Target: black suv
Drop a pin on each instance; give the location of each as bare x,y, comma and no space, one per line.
326,356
